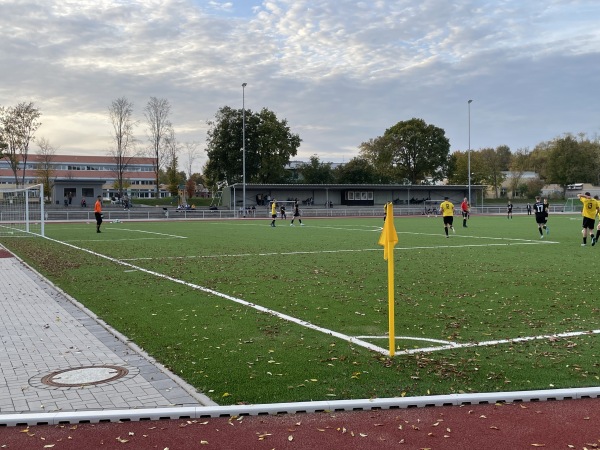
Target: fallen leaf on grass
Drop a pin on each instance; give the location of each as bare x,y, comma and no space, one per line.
122,441
290,438
49,445
538,445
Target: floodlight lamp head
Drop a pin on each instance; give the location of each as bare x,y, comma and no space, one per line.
244,84
470,101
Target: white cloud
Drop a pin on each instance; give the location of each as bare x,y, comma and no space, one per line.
340,71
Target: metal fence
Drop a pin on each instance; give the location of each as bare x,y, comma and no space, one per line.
157,213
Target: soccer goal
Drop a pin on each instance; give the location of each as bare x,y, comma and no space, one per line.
22,211
572,205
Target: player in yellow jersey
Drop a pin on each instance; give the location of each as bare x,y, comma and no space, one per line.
447,211
595,239
273,212
590,208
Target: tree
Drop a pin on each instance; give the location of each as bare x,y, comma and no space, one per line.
316,172
19,125
171,160
379,155
190,188
120,113
570,161
159,128
356,171
494,163
518,166
459,163
191,152
411,151
269,146
44,170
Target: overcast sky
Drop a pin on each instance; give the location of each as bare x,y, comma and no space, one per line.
341,72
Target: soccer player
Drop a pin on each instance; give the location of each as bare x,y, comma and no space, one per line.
509,210
595,239
588,212
464,207
546,210
297,214
447,211
273,212
98,213
282,212
540,216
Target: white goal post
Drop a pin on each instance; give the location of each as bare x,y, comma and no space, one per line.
22,211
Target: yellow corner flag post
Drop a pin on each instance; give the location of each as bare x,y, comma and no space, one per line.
389,238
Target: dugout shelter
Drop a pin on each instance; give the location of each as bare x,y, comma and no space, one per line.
335,195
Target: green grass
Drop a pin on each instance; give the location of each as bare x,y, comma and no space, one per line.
495,280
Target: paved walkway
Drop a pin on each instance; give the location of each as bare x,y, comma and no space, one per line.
43,331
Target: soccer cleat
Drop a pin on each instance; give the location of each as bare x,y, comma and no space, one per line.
541,236
583,245
291,224
593,241
301,224
453,230
447,236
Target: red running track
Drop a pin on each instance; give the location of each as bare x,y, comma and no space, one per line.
564,424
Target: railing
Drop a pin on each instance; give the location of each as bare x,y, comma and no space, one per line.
152,213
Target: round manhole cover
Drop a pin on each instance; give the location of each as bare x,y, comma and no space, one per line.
84,376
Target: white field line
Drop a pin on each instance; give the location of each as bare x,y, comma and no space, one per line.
148,232
314,252
357,340
271,312
161,236
454,345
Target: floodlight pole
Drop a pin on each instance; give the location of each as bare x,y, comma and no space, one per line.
244,147
469,151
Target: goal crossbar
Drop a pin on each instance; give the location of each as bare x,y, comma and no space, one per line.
22,211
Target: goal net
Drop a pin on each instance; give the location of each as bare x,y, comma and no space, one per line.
22,211
573,205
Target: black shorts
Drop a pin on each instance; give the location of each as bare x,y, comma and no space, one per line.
274,216
98,218
448,220
465,214
540,219
588,223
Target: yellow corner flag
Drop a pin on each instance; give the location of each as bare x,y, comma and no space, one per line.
389,237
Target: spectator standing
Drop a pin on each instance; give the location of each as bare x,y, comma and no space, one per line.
509,209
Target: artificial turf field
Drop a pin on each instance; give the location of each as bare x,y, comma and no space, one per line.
248,313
